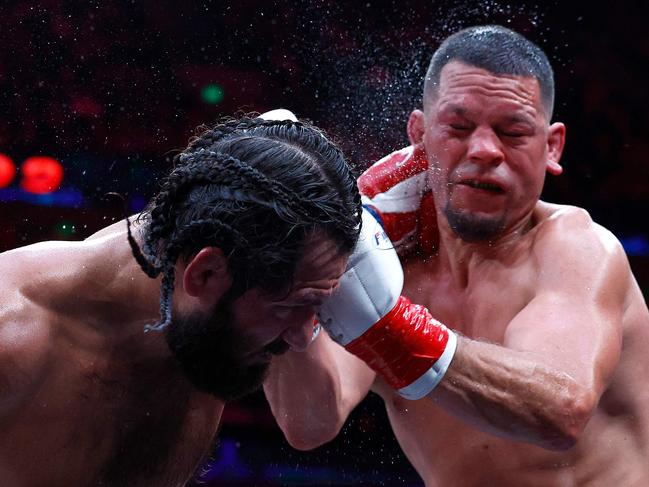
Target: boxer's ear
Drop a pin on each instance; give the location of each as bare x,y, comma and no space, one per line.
416,127
556,142
206,275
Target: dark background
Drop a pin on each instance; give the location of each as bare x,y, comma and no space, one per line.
112,89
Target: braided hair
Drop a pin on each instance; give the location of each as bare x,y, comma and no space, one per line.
254,188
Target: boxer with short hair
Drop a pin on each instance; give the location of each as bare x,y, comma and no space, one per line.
533,369
249,233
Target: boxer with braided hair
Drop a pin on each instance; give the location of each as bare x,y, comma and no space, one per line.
235,196
246,237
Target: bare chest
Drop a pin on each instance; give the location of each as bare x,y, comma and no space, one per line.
85,426
446,451
479,308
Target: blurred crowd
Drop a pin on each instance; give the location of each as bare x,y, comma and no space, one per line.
113,88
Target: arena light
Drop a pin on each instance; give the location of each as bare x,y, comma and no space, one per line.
212,94
41,174
65,229
7,170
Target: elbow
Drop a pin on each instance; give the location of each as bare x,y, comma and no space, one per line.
310,435
306,428
308,441
574,409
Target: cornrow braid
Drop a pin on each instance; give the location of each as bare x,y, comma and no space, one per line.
224,170
238,171
166,294
211,136
143,258
254,188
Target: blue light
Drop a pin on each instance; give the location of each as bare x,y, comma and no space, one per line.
635,245
64,197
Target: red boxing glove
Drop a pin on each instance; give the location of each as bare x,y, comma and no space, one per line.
396,190
407,346
367,315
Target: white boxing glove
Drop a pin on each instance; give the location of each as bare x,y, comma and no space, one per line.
368,289
367,315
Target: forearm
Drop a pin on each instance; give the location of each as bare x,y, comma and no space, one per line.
311,393
509,393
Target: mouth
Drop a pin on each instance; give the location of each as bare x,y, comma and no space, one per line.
483,185
278,347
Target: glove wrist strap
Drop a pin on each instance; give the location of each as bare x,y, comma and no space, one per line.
408,348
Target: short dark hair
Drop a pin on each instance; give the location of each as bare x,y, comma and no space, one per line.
498,50
254,188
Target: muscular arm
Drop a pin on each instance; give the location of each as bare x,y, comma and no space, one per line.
311,393
23,342
543,384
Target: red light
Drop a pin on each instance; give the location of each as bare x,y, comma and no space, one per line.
7,170
41,174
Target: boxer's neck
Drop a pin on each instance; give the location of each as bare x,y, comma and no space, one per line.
459,257
116,289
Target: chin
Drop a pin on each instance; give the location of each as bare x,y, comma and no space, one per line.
474,226
227,382
208,349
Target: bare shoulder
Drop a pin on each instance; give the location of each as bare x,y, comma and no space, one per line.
24,350
24,339
569,241
574,227
118,227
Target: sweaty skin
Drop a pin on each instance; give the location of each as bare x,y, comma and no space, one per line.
83,388
87,398
515,400
548,384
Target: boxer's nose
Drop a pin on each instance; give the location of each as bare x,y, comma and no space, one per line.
300,335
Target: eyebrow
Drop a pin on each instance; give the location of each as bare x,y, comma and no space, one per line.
310,297
456,109
519,119
465,112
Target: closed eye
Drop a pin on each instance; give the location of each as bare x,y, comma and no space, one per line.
516,130
286,310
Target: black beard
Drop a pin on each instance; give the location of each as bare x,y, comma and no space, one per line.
208,348
471,228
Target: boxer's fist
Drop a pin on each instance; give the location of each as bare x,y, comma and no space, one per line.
366,314
396,187
368,289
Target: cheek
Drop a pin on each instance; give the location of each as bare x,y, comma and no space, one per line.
265,323
254,320
439,174
290,317
242,316
532,174
528,187
443,153
281,315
